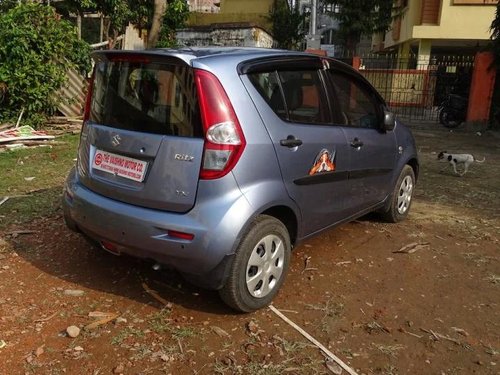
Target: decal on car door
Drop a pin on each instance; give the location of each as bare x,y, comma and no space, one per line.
324,162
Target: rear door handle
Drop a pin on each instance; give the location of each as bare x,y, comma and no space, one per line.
290,142
356,143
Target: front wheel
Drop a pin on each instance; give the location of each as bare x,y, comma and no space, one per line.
259,267
401,197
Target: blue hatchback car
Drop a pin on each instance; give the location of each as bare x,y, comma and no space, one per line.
218,161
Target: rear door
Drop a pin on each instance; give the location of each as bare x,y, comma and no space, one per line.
372,151
312,154
142,143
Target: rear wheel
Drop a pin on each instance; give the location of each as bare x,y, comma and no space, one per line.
448,119
259,267
401,197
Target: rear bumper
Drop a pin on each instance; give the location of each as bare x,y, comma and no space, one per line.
142,232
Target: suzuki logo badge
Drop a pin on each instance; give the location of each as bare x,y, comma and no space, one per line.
115,140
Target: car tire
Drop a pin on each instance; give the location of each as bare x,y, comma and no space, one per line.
401,197
259,267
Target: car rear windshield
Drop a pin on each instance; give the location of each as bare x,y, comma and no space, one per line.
146,97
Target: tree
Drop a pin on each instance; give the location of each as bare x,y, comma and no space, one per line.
362,17
160,7
159,17
287,24
36,49
175,18
495,35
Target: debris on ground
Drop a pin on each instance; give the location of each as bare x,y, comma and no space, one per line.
16,233
23,133
412,247
155,295
14,137
41,320
460,331
74,292
437,336
325,351
103,318
59,125
219,331
73,331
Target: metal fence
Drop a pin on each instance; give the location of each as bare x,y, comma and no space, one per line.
414,87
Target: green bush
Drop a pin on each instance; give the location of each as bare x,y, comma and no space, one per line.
37,47
175,18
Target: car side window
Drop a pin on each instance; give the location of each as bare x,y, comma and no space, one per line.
355,104
295,96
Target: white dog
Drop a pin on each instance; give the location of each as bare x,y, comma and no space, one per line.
455,159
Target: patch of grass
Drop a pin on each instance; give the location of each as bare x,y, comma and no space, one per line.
330,309
289,366
390,350
31,368
374,327
24,209
140,352
290,347
125,333
229,367
48,165
182,332
160,321
171,350
494,279
41,195
492,351
477,258
387,370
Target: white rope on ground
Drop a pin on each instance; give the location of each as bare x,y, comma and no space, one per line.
314,341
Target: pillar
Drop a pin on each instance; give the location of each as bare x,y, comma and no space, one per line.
403,55
424,53
481,89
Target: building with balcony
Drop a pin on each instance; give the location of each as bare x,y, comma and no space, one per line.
438,27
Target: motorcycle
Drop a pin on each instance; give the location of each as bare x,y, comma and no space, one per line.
453,111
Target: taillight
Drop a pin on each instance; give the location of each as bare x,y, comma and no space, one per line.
224,140
180,235
88,100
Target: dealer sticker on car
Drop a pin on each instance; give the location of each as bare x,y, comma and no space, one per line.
123,166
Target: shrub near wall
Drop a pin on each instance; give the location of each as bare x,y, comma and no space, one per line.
36,49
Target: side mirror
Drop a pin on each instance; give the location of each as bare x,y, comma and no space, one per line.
389,121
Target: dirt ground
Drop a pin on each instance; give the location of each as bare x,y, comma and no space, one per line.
434,310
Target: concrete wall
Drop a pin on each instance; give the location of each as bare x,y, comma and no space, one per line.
236,11
207,19
245,6
232,37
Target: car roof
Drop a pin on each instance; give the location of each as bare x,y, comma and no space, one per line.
187,54
241,57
